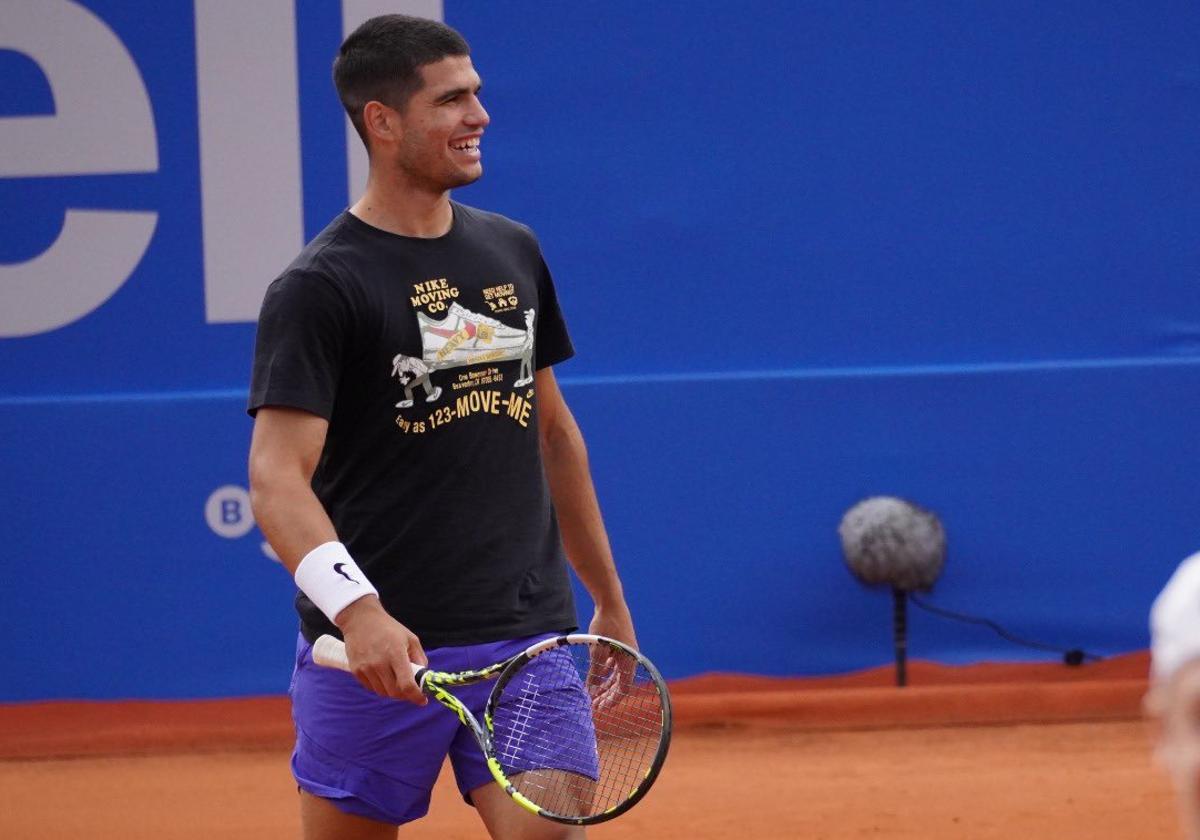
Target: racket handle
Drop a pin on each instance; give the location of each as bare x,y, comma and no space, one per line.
329,652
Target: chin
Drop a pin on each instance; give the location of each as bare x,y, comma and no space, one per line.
468,177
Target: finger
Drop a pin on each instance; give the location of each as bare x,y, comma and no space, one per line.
607,698
387,679
620,683
596,672
366,679
614,687
628,671
373,672
604,680
416,653
360,672
601,663
401,672
593,670
406,685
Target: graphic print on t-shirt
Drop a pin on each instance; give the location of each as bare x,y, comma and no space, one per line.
464,338
402,366
501,298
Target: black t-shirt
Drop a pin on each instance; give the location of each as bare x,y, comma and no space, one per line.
420,353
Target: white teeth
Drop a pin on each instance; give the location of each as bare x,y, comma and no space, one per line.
470,144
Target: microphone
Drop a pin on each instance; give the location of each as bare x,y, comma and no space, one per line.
888,541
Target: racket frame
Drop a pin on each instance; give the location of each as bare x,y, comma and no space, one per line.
437,684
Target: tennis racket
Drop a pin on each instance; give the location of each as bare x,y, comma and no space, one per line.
575,730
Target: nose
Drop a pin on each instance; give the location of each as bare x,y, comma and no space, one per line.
477,116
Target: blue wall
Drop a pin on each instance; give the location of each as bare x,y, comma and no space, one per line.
809,253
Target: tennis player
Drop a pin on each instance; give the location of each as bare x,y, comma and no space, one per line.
1174,697
422,525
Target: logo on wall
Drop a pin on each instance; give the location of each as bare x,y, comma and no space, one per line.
104,121
228,514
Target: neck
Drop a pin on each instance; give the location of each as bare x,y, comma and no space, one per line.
394,205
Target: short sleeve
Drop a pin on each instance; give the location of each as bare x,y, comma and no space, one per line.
553,341
300,345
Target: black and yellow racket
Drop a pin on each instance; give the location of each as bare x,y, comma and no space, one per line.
575,730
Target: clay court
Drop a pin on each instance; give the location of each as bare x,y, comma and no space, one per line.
988,751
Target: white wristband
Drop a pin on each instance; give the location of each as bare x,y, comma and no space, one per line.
331,579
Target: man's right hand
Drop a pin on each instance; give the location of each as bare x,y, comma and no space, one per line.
380,650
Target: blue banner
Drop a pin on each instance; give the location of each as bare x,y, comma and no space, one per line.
808,253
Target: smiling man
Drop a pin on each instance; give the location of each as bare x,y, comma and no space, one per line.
430,526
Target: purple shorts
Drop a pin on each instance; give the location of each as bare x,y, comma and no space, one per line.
377,757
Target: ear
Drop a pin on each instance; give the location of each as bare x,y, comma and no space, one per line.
382,123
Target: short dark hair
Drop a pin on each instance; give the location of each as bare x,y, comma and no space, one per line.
381,60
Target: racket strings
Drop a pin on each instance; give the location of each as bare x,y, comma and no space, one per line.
578,729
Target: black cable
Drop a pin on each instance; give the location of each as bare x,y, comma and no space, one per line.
1070,656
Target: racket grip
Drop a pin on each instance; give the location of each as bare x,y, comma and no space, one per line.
329,652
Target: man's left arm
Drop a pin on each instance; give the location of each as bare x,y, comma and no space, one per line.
584,537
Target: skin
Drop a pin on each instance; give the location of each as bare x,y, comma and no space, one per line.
1175,709
414,165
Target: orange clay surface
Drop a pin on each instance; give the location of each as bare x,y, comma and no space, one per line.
991,751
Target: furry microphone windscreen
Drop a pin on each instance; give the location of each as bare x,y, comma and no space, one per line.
889,541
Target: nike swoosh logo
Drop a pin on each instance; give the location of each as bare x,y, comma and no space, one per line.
339,568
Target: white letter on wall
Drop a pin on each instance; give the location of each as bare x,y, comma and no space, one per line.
103,124
253,212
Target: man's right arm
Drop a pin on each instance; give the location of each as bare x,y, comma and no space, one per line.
284,452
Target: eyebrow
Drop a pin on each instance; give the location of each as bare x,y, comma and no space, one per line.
458,91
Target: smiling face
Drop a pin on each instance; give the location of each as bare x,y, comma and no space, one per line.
436,144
